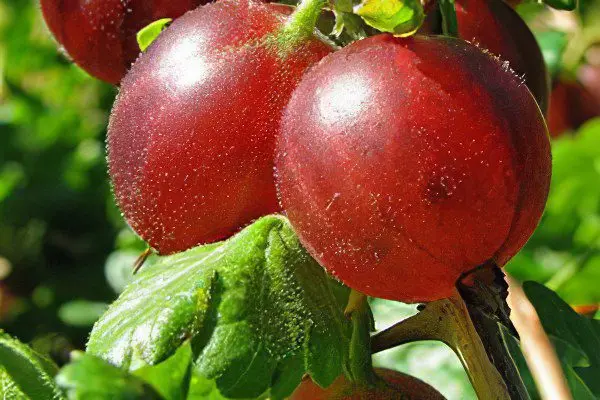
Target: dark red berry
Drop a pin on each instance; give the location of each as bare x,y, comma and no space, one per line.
192,134
571,105
404,163
100,35
395,386
493,25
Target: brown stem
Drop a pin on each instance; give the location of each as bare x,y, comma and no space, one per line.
139,262
484,291
448,321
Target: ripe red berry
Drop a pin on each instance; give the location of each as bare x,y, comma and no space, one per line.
571,105
100,35
495,26
404,163
399,386
192,134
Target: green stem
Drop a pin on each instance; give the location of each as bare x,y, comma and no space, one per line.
301,24
448,321
449,21
361,367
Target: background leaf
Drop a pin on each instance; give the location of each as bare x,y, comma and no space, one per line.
513,346
81,312
260,313
23,372
89,377
564,251
553,44
576,338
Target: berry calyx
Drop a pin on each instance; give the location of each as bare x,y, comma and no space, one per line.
192,134
404,163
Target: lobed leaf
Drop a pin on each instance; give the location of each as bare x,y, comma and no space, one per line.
259,311
170,378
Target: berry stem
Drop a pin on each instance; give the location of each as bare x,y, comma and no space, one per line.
361,367
484,291
301,24
449,21
448,321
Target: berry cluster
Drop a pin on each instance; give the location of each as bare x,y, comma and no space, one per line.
402,163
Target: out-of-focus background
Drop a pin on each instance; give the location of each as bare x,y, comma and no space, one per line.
65,252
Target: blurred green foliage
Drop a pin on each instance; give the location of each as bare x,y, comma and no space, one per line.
57,219
564,252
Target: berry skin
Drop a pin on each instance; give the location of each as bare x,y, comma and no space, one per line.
403,163
399,386
495,26
192,134
571,105
100,35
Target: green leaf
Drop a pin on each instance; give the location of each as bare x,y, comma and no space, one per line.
81,312
348,27
23,372
400,17
552,44
514,349
202,388
576,338
11,175
252,306
568,5
170,378
149,33
89,377
8,388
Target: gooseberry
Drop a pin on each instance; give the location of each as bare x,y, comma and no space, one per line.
100,35
397,386
191,138
494,26
406,162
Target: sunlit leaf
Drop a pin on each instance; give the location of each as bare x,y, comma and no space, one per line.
149,33
400,17
259,310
